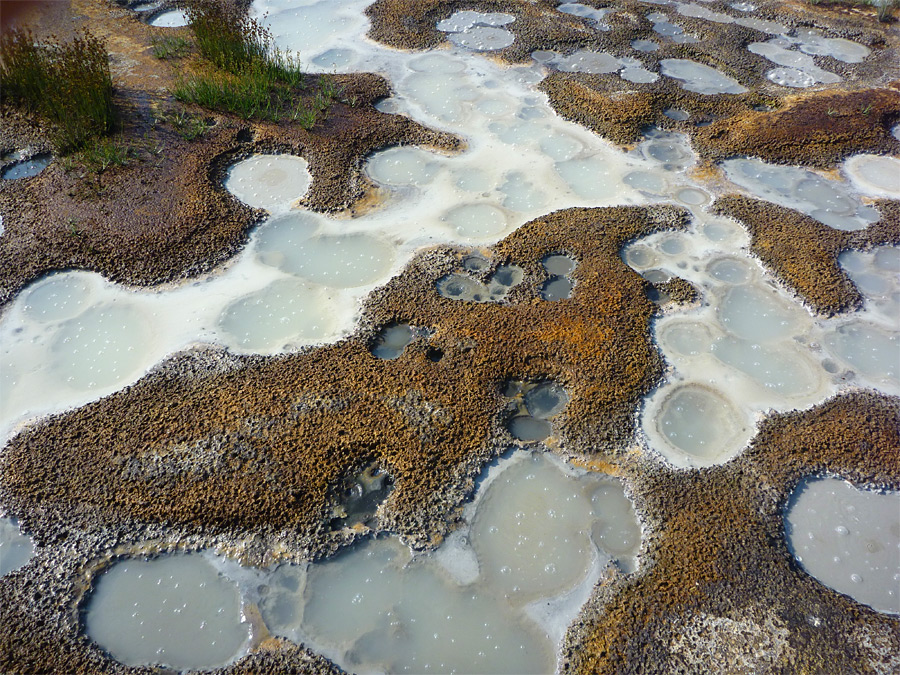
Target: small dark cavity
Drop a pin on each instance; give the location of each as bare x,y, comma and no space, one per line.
511,389
463,287
27,168
391,342
545,400
676,114
475,263
245,136
434,354
559,265
656,295
529,429
508,275
556,288
360,497
457,287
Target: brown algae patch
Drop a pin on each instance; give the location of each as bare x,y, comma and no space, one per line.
771,121
255,448
719,581
803,252
816,129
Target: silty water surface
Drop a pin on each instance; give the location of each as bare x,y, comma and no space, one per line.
299,280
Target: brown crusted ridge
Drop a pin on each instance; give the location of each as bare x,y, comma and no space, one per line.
164,215
817,129
767,117
215,449
803,252
720,585
622,116
259,444
411,24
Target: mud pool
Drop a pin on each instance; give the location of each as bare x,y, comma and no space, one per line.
546,533
502,589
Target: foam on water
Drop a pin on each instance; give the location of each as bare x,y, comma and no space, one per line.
874,175
793,62
595,15
16,548
175,611
829,201
700,78
271,182
173,18
849,539
584,61
478,31
500,591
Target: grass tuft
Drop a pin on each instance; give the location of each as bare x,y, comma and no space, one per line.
68,84
169,47
245,74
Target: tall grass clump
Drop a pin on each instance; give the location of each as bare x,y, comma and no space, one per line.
226,36
245,75
68,84
885,9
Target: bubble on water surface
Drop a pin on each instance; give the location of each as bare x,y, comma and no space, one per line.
874,175
270,182
293,244
56,298
173,18
336,58
790,77
872,350
476,221
280,314
700,78
401,166
27,168
847,538
828,201
176,611
478,31
16,548
701,423
101,347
